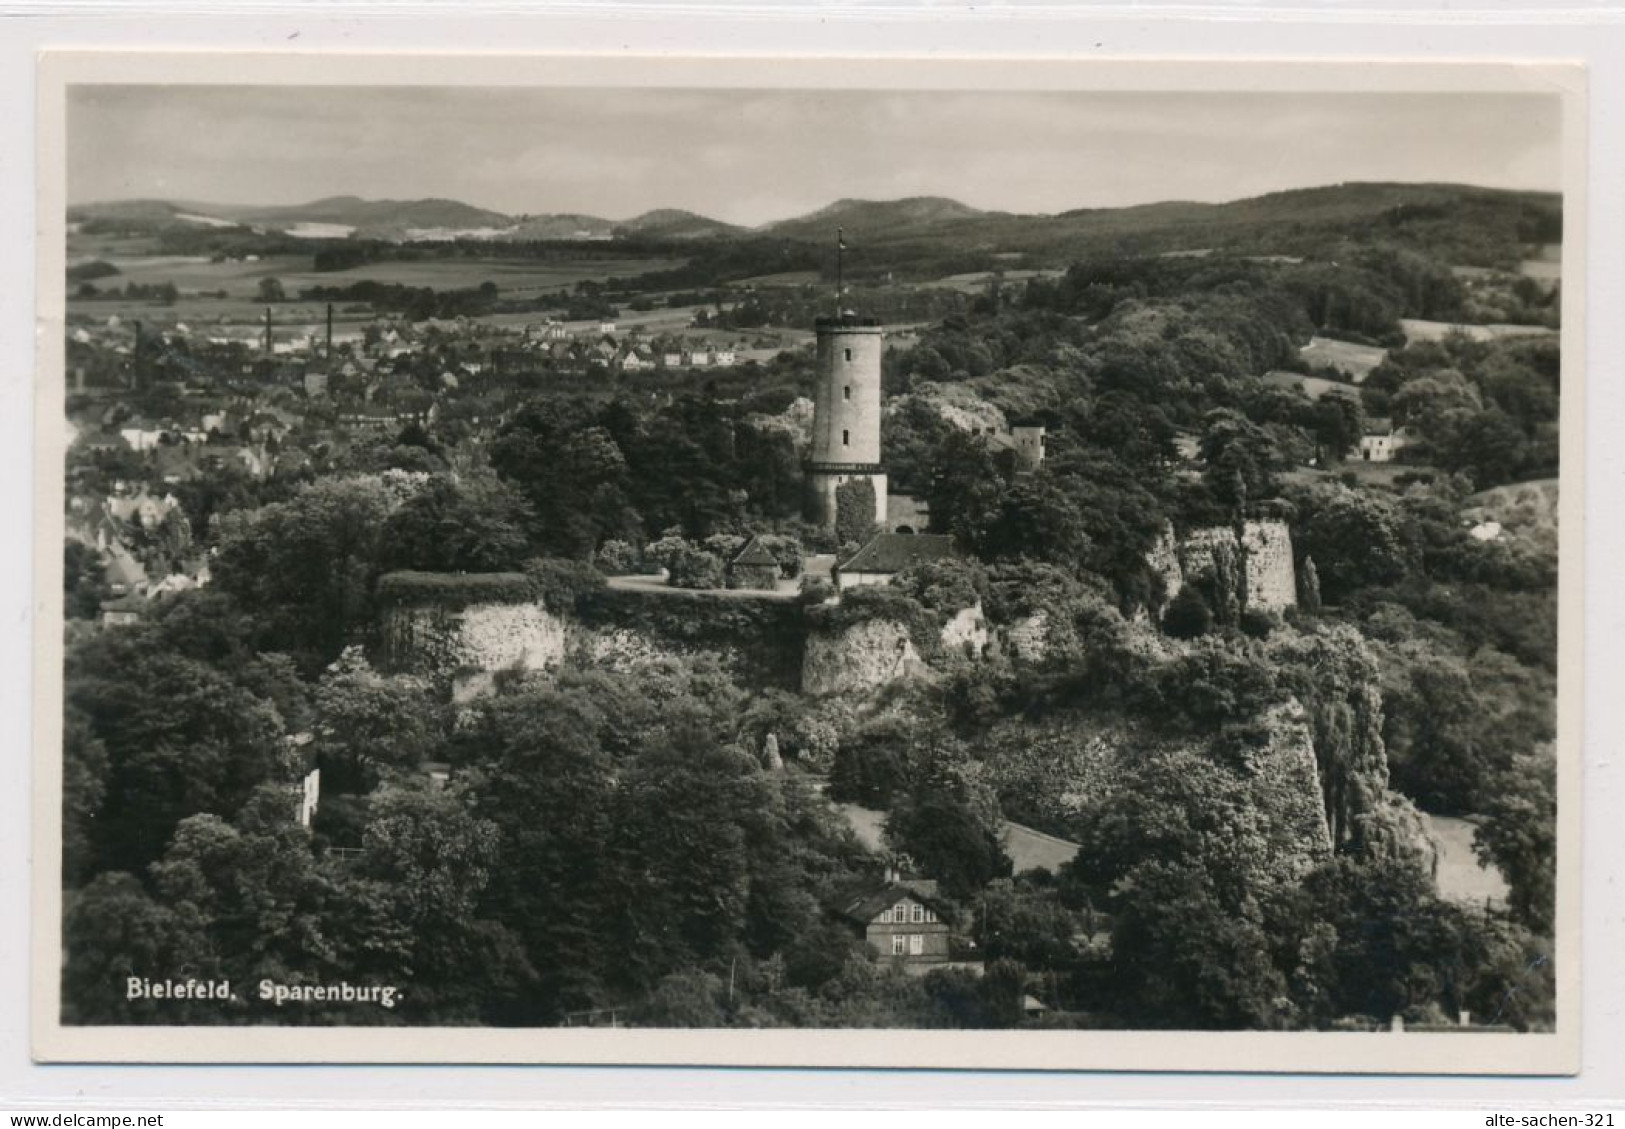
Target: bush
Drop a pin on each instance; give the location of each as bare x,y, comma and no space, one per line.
559,583
618,558
1187,615
695,568
455,590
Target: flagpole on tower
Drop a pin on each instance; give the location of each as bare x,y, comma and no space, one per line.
840,256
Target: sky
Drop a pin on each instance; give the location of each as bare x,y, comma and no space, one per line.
750,157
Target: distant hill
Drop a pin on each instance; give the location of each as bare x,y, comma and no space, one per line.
352,211
893,219
1456,224
674,223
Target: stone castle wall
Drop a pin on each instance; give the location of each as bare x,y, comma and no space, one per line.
1271,581
431,640
866,656
1263,554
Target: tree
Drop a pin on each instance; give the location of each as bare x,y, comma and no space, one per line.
179,737
306,567
113,930
1355,537
950,840
1187,615
542,776
468,524
1309,585
854,511
368,725
83,588
270,290
1488,446
964,486
1036,518
1188,957
1240,456
1519,837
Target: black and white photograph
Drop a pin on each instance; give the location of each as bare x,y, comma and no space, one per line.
805,566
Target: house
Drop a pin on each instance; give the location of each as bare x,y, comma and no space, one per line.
123,574
724,357
123,612
887,554
141,438
636,361
901,918
1382,441
754,567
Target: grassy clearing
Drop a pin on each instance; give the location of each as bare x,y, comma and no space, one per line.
1356,360
513,277
1418,330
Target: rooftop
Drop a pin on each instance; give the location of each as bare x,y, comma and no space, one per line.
893,552
861,901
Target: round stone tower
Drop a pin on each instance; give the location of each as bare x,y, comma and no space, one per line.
846,415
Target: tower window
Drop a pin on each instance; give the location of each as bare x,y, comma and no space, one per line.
846,438
848,354
846,392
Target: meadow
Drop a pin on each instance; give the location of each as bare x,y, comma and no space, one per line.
513,277
1356,360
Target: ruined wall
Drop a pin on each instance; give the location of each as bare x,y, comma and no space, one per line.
1048,773
1271,582
866,656
758,641
1284,779
966,633
432,640
1027,640
1263,552
1164,561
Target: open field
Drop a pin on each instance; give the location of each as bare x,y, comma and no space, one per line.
975,282
1028,849
1418,330
1313,387
1356,360
1527,510
1368,474
513,277
1462,877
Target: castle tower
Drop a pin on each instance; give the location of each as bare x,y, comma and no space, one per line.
846,415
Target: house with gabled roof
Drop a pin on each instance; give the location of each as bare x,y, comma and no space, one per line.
902,919
887,554
754,567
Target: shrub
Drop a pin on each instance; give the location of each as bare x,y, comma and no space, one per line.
559,583
618,558
1187,615
695,568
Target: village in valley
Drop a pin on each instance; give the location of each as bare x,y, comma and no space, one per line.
901,615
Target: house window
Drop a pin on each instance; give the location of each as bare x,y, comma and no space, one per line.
916,914
930,915
846,438
897,942
848,354
916,944
846,392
